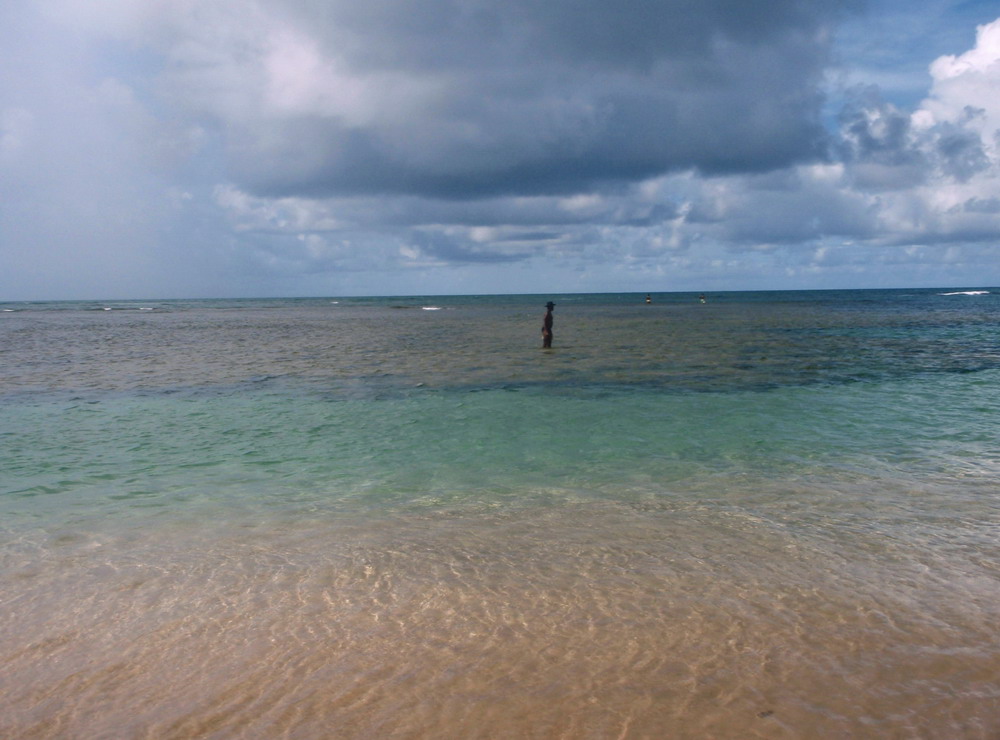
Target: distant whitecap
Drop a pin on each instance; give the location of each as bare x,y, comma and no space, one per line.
968,292
431,308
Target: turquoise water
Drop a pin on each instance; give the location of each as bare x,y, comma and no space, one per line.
769,515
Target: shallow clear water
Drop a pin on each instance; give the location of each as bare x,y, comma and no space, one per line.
771,515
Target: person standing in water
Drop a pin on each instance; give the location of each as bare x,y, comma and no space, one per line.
547,325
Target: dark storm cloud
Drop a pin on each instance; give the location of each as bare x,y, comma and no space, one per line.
628,34
466,99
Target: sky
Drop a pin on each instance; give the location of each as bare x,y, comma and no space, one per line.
263,148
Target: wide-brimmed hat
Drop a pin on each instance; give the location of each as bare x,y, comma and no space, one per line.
550,304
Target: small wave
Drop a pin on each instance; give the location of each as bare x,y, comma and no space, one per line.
121,308
967,292
431,308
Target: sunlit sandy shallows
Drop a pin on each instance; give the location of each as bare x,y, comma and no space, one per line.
588,620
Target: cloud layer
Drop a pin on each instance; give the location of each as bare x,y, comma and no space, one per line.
295,146
470,99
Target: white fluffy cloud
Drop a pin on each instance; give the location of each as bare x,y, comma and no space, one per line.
941,163
930,176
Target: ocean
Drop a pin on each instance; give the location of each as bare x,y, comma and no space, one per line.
768,515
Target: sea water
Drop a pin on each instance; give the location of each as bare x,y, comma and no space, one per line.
771,515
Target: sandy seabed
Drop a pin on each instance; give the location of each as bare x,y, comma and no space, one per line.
594,621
